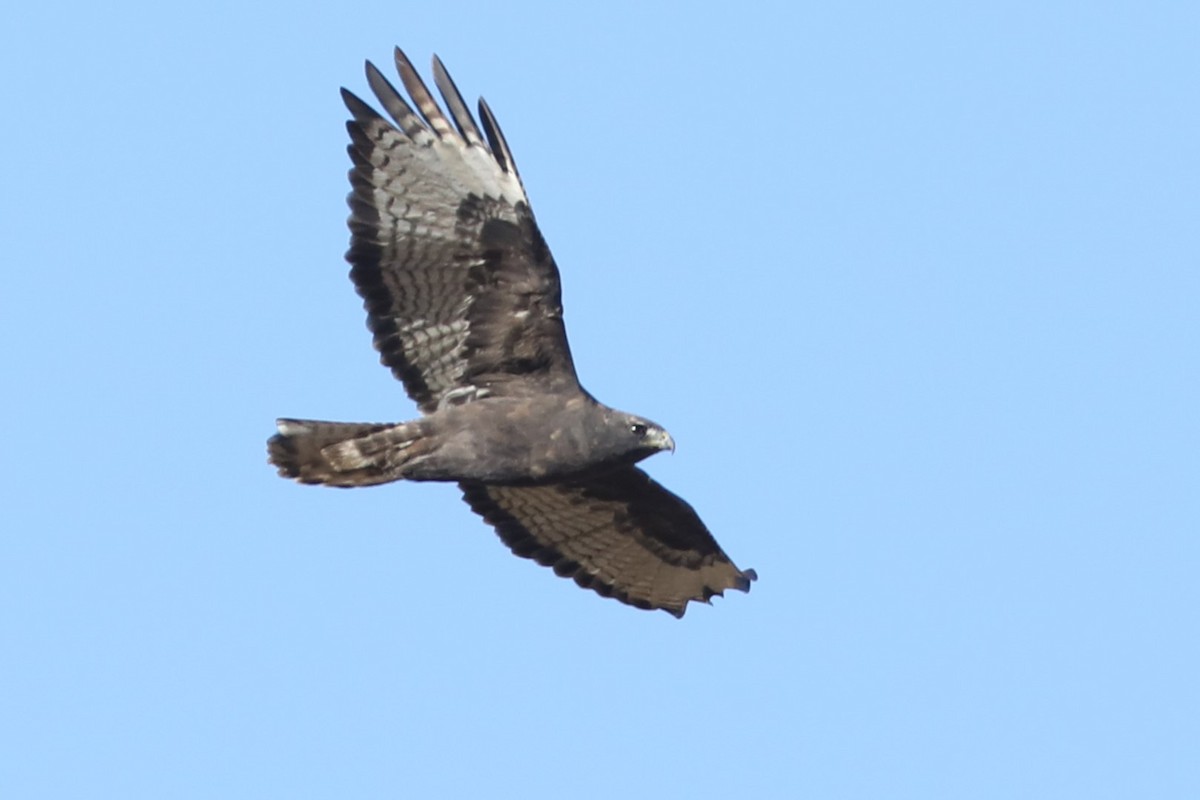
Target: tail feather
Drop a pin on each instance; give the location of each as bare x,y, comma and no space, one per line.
312,451
390,447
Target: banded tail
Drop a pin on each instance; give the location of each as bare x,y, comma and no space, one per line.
340,453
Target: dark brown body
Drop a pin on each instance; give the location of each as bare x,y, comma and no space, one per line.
502,440
523,440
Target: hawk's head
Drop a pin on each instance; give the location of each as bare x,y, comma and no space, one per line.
636,437
646,434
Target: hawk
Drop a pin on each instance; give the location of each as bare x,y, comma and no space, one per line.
464,302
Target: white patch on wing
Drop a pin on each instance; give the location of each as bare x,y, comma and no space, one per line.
451,164
462,396
421,328
438,173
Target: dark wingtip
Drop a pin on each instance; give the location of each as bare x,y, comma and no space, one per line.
356,105
747,577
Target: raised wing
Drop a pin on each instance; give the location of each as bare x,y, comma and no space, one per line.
461,291
620,534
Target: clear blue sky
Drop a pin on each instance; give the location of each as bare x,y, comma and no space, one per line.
915,287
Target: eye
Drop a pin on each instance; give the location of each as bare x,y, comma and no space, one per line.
638,429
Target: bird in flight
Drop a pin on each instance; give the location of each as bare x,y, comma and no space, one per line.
464,303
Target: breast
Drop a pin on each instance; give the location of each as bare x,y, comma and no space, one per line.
510,440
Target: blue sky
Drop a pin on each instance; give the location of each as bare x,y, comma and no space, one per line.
914,287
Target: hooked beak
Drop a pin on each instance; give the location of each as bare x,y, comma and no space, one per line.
662,440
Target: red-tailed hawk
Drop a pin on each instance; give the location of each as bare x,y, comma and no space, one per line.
463,298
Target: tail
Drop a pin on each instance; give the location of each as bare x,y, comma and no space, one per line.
339,453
